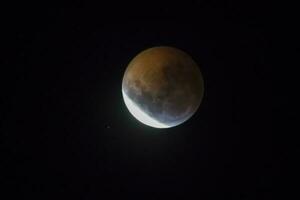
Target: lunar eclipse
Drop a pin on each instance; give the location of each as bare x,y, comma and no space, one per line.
162,87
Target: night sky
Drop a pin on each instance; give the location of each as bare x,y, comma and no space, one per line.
67,134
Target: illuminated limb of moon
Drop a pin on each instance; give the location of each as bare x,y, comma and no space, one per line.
140,115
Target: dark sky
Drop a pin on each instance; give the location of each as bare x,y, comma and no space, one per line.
66,133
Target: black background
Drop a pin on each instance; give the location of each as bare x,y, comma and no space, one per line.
66,132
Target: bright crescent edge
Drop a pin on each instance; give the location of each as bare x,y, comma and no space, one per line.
140,115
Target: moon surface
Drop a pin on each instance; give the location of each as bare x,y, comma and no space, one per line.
162,87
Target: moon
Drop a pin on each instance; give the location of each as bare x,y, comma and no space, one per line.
162,87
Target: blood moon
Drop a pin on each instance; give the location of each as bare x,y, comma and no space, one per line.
162,87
